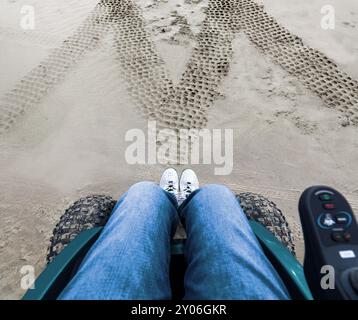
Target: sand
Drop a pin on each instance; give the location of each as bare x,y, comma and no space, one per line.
71,144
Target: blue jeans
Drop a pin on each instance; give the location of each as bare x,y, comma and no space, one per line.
130,259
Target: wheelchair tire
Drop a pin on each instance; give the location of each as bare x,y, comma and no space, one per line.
264,211
86,213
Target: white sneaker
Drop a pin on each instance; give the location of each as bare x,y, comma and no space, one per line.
170,181
188,183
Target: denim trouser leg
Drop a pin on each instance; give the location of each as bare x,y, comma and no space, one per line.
225,260
130,260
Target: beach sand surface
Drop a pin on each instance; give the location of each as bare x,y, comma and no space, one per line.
72,143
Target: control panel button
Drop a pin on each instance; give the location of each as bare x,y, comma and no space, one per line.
326,197
347,236
337,236
347,254
326,221
329,206
353,279
342,218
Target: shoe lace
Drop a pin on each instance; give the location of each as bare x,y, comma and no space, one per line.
170,187
187,188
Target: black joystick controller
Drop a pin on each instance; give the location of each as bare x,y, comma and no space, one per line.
331,244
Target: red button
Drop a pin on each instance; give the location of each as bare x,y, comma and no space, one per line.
329,206
347,236
337,236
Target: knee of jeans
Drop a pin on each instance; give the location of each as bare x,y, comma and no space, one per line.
144,189
144,186
150,191
226,204
149,196
217,190
219,194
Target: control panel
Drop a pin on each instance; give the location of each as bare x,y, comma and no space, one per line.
331,243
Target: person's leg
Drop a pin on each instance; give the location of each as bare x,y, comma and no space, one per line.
225,260
130,260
